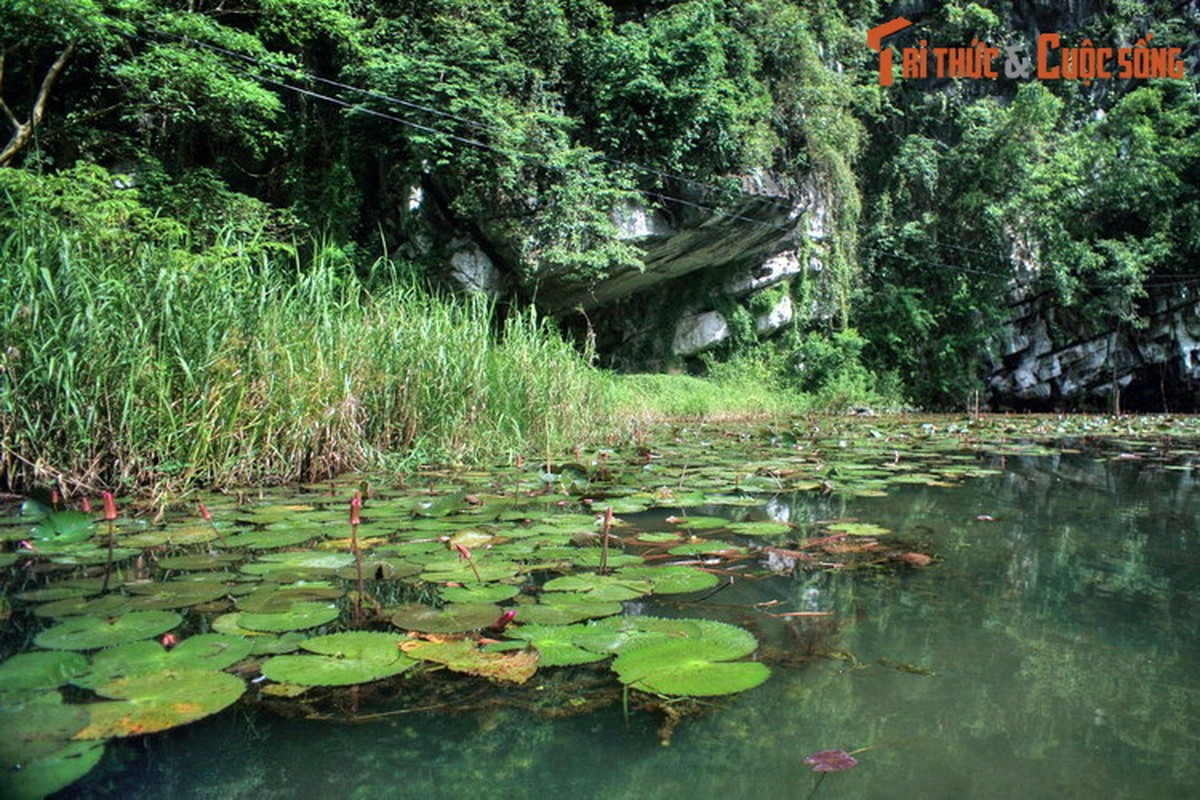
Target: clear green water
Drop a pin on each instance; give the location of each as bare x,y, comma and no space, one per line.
1063,637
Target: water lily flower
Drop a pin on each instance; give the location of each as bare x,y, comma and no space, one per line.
110,507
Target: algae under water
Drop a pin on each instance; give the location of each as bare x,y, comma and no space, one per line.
1048,651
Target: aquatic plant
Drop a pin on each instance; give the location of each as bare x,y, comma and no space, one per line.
526,599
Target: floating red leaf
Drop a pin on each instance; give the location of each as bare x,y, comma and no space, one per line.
831,761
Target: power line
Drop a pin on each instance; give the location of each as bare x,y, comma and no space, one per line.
300,74
537,160
357,108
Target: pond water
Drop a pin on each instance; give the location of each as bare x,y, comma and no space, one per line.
1050,651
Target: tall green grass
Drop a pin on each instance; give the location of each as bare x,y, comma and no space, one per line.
130,356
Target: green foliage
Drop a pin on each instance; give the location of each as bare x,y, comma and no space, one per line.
678,91
1088,210
132,358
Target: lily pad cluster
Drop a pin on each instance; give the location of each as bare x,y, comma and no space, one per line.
138,687
584,553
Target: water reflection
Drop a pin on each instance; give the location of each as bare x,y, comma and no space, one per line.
1059,625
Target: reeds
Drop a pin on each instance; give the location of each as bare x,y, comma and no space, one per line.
129,356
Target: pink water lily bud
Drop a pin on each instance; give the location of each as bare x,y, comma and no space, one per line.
355,508
205,514
110,507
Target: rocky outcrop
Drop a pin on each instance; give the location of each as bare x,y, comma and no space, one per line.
754,244
703,264
696,333
1155,366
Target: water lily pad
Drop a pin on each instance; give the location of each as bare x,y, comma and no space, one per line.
199,561
28,673
601,587
90,633
44,775
299,616
760,528
859,529
37,755
174,536
556,644
271,539
176,594
462,655
107,605
205,651
479,593
276,513
63,527
266,645
85,553
300,558
459,570
703,523
617,634
380,569
686,667
672,579
453,618
274,598
37,726
560,609
158,701
341,659
705,547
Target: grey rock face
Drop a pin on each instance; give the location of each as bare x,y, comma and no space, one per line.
696,333
1156,366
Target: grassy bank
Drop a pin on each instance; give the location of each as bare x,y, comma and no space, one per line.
132,356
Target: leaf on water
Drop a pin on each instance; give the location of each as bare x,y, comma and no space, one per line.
600,587
859,529
687,667
556,644
37,727
158,701
463,655
26,673
63,527
834,760
341,659
298,617
453,618
213,651
91,633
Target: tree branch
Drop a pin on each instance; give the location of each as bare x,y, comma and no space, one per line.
3,105
24,130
